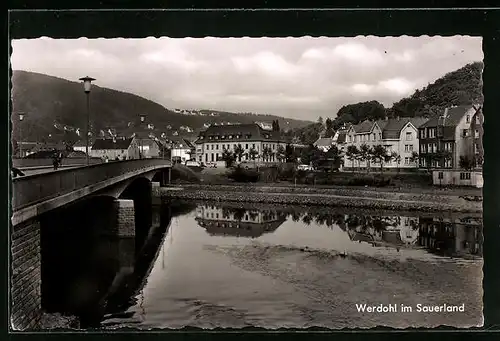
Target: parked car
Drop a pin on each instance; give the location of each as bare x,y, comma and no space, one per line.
192,163
305,168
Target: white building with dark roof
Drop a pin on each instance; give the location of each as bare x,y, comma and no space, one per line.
212,142
397,135
115,149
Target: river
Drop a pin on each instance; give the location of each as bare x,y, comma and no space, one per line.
222,265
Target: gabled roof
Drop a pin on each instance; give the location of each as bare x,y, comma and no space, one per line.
247,132
450,117
324,142
393,126
363,127
111,144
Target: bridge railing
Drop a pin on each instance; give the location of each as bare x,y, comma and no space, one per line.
32,189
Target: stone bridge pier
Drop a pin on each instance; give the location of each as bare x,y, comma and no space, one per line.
68,258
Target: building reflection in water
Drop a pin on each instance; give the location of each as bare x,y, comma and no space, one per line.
442,236
453,237
239,222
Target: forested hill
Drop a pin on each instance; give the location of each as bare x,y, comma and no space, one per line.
463,86
56,106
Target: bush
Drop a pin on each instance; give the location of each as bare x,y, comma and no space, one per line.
376,181
239,174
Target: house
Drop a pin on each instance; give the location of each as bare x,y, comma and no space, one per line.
116,149
398,135
181,150
454,135
149,146
324,143
80,146
212,142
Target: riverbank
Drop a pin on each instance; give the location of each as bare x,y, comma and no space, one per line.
430,200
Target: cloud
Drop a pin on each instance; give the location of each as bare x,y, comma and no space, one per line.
293,77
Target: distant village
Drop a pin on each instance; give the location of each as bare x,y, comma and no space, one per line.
449,144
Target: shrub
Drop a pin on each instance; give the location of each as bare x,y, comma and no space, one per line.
239,174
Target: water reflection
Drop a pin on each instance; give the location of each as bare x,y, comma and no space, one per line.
238,221
445,236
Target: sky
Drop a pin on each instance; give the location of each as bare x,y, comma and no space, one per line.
302,78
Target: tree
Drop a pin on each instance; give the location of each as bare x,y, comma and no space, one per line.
253,154
266,153
352,154
290,155
329,124
365,154
280,153
396,158
238,152
228,157
379,154
415,158
311,155
335,155
276,125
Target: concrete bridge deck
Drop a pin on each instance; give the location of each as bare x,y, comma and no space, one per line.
35,194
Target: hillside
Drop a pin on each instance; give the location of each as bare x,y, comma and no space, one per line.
57,107
462,86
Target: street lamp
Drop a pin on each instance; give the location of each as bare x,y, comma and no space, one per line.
87,84
19,146
143,119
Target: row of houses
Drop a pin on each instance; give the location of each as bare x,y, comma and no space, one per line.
439,143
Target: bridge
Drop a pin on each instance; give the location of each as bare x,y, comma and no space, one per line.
115,196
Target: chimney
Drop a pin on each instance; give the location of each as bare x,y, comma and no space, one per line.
445,112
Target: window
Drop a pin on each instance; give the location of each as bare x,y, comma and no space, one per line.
253,145
411,147
380,136
216,137
408,136
211,137
246,145
476,134
422,147
217,147
407,147
478,121
465,133
467,119
432,132
373,137
440,175
422,133
407,161
447,163
476,148
464,176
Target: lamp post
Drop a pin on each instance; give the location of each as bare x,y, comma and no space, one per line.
19,145
87,84
143,119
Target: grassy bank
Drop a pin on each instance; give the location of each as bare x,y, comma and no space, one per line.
333,197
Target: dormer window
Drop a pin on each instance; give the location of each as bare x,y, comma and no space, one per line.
267,136
216,137
211,137
230,136
223,137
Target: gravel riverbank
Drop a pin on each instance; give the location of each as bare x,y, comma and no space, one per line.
338,197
